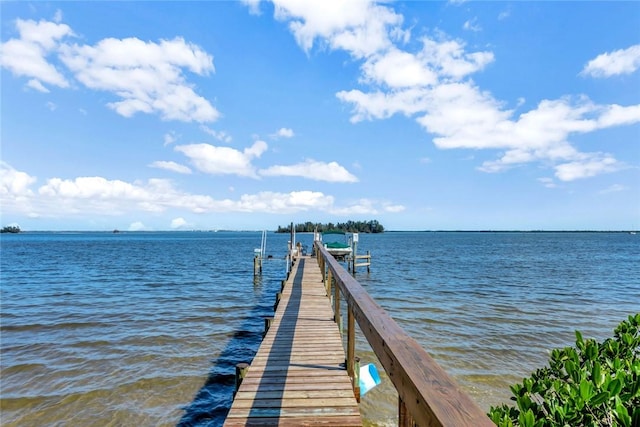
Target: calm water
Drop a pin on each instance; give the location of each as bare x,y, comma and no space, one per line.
145,329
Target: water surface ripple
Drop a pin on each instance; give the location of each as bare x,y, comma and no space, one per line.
145,329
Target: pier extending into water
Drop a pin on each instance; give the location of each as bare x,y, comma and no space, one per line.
301,375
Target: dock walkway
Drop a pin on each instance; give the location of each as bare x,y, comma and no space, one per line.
298,376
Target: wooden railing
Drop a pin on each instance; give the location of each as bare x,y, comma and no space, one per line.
428,396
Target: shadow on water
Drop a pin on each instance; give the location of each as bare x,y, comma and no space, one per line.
212,402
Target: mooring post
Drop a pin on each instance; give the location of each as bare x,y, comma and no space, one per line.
368,262
354,254
241,372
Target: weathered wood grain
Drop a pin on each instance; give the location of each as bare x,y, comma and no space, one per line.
298,376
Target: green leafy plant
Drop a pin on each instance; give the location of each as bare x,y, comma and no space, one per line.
593,384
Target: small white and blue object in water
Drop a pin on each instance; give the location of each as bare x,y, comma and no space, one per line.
369,378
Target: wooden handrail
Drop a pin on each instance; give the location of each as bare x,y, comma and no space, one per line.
431,397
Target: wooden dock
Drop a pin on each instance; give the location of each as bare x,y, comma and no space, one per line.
298,376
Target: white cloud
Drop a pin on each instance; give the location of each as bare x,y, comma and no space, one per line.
622,61
432,83
357,26
37,85
98,196
14,183
178,223
615,188
504,15
382,105
27,55
449,58
311,169
398,69
147,76
616,115
587,165
437,61
51,106
472,25
394,208
171,166
223,160
138,226
283,133
219,135
295,201
57,17
170,138
461,116
547,182
360,207
253,5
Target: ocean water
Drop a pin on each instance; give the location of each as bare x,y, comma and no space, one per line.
145,329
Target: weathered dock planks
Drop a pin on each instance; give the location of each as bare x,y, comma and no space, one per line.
298,377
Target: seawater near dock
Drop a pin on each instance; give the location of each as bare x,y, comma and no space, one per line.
301,376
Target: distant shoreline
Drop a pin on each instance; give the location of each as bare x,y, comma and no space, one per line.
275,232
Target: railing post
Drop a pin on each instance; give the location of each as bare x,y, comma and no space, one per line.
352,369
336,306
329,282
404,417
356,378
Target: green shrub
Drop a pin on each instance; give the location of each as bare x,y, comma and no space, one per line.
593,384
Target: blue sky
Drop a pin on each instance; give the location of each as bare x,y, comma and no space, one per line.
249,115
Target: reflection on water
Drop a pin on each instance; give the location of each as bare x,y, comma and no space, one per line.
146,328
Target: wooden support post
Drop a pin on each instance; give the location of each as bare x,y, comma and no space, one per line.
278,296
267,325
353,363
336,306
282,285
368,262
356,378
256,265
404,417
328,282
351,341
241,372
402,414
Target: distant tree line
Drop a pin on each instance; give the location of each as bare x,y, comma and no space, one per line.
10,229
372,226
